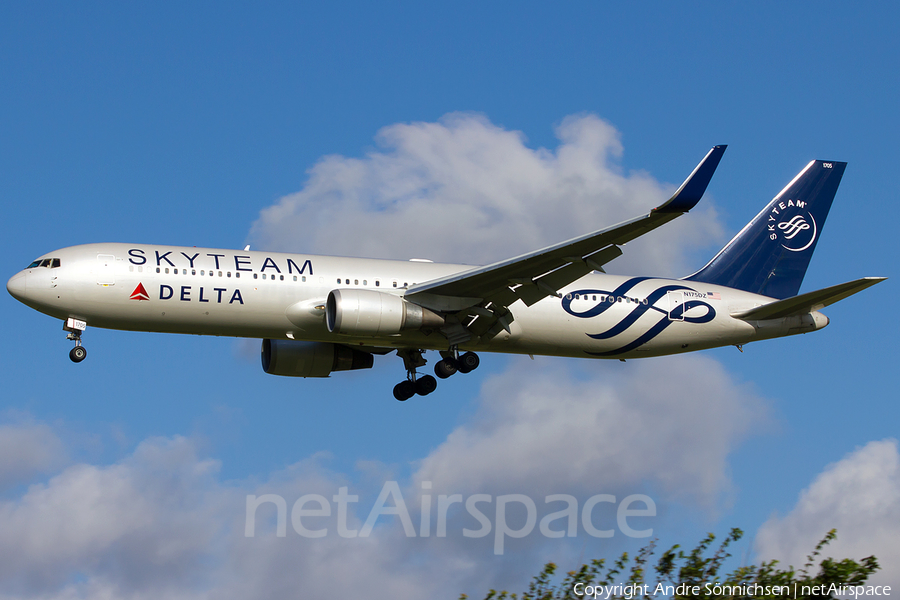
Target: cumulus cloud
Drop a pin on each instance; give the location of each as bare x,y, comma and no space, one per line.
138,524
27,449
860,497
161,523
467,191
599,426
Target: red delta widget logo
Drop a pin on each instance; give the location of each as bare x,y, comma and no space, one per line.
186,294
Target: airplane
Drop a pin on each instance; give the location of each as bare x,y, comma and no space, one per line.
321,314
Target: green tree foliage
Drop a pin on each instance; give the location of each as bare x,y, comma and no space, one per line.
694,575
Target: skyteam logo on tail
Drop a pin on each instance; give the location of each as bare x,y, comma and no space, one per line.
795,229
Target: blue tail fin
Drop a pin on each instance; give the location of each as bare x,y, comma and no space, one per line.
770,255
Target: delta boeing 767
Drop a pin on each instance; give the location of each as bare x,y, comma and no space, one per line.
319,314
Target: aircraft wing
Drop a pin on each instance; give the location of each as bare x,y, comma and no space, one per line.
486,292
808,302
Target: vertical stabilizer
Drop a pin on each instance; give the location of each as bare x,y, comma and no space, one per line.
770,255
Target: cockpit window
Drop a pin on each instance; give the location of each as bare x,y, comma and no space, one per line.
51,263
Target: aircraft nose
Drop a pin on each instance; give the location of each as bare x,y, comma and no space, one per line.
16,285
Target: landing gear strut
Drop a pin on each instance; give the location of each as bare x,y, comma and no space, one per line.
75,329
424,385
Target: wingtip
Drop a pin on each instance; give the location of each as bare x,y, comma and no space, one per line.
691,191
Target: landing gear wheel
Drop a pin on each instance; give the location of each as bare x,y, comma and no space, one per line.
425,385
77,354
404,390
468,362
445,368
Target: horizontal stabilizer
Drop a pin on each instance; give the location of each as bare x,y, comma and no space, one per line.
806,303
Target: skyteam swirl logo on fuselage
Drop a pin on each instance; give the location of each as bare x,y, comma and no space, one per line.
610,298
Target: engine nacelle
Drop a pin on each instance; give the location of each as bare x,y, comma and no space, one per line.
367,312
293,358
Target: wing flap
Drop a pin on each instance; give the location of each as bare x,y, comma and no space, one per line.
808,302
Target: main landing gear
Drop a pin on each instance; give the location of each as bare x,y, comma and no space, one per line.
425,384
75,329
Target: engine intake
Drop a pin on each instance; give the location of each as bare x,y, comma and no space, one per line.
367,312
293,358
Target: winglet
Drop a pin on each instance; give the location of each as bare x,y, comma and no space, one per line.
688,195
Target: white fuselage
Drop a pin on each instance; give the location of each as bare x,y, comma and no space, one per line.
204,291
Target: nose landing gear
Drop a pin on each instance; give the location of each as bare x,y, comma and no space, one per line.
75,329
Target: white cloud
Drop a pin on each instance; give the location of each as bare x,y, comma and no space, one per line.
161,523
860,497
465,190
601,426
137,523
27,449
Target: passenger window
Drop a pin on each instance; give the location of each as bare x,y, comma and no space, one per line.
364,282
237,275
339,280
131,268
157,269
303,279
255,276
346,282
395,284
220,273
193,271
377,283
167,270
203,271
229,273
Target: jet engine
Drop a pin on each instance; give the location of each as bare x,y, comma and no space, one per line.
311,359
367,312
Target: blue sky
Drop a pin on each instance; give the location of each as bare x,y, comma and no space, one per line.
189,124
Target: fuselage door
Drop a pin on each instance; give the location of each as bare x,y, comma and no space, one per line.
676,299
105,265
